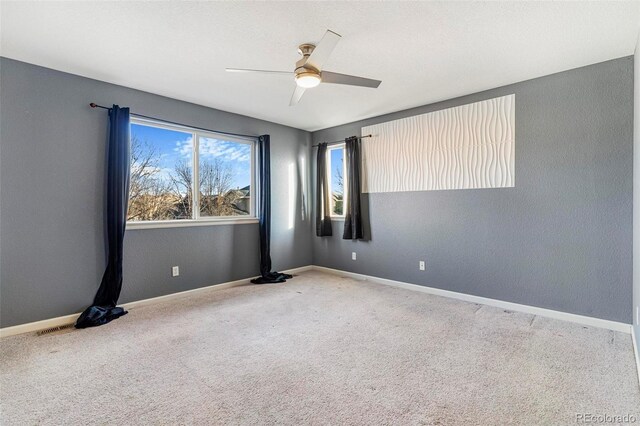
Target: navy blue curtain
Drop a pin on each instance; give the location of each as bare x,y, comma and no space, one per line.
104,307
323,206
353,213
264,212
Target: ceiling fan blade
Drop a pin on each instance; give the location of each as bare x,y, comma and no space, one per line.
351,80
258,71
323,50
297,94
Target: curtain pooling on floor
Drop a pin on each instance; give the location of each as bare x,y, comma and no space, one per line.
104,307
264,212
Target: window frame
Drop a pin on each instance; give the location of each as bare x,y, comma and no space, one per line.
196,219
340,146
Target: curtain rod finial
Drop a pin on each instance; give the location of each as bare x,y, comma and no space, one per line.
93,105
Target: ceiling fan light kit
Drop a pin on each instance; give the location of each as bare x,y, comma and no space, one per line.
307,79
308,72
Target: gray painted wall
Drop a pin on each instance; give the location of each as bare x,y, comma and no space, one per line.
561,239
51,199
636,192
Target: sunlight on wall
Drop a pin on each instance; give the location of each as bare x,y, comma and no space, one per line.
303,187
292,195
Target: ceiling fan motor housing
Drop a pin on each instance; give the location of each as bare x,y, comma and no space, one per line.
302,67
306,75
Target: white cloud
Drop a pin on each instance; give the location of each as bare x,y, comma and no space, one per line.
210,147
227,151
184,148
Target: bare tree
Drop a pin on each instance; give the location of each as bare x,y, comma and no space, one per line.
182,184
155,194
340,179
149,197
217,198
338,194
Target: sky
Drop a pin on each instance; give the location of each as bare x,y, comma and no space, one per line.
336,163
172,146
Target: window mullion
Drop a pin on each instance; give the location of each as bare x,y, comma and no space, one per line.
195,186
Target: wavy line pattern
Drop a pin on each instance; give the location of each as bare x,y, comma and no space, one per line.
470,146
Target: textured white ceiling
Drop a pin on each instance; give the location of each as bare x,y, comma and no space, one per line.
423,52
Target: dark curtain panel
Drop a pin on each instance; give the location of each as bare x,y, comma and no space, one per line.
104,307
353,213
323,207
264,212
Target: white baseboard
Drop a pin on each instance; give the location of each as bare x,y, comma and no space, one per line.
70,319
549,313
636,351
214,287
38,325
580,319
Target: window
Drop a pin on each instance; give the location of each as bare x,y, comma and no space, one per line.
184,175
336,175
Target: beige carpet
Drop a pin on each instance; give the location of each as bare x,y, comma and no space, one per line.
319,350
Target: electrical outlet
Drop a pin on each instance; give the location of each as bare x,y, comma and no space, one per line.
422,267
175,271
353,255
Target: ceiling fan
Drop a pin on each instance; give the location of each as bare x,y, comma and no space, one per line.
308,72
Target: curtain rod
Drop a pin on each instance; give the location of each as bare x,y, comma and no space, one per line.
342,140
94,105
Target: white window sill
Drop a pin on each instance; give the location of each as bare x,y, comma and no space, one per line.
337,217
190,222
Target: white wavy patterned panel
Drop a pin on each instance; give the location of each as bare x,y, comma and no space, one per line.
470,146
